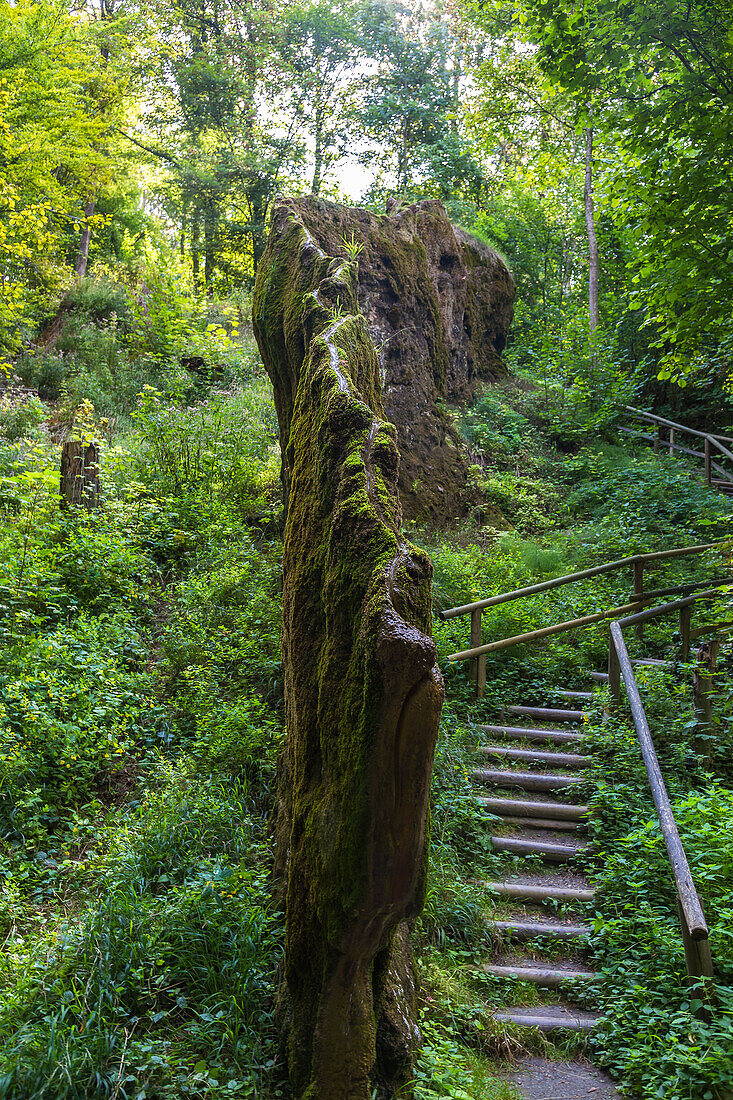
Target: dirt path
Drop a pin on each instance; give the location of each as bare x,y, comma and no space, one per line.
539,1079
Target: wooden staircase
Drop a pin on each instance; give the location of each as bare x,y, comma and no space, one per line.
529,788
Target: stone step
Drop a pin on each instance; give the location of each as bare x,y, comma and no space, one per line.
536,929
547,714
523,733
531,891
547,1018
537,756
543,823
575,694
526,781
539,975
527,808
546,850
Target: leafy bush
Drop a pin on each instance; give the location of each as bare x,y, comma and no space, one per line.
221,454
73,703
20,415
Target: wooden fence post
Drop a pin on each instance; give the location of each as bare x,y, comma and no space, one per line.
671,441
708,461
79,483
657,438
638,593
698,956
481,677
685,620
614,673
476,641
702,686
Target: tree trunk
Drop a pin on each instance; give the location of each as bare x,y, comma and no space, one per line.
82,256
195,226
316,186
79,474
209,245
257,195
593,259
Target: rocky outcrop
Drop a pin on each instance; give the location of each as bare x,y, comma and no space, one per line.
363,693
438,305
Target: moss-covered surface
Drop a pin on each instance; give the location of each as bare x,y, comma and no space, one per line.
363,692
437,305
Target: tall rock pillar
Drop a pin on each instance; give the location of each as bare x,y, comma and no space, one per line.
363,693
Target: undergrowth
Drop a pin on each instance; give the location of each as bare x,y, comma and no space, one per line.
141,712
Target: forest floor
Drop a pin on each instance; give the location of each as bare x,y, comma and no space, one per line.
141,707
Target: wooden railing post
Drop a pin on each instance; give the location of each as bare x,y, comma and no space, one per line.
481,677
708,461
685,620
657,438
639,592
475,642
671,441
614,673
702,686
698,957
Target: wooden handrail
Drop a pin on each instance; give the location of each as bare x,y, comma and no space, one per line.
639,434
654,419
596,617
710,439
583,574
543,632
665,608
477,652
692,918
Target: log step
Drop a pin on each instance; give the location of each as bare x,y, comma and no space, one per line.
535,930
526,808
550,852
575,694
543,823
530,891
535,756
523,733
547,714
527,781
539,975
549,1018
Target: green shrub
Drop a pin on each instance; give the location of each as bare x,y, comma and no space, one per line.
20,416
221,453
73,704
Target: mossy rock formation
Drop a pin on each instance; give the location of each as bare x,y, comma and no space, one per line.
438,305
363,692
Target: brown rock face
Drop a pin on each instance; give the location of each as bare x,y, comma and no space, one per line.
438,305
363,693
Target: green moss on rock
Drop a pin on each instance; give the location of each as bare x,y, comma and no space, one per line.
363,693
437,305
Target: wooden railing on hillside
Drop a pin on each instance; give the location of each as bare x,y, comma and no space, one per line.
666,436
695,934
639,597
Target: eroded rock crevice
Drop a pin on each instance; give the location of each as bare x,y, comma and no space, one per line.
363,692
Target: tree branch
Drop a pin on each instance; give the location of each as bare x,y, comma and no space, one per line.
161,154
